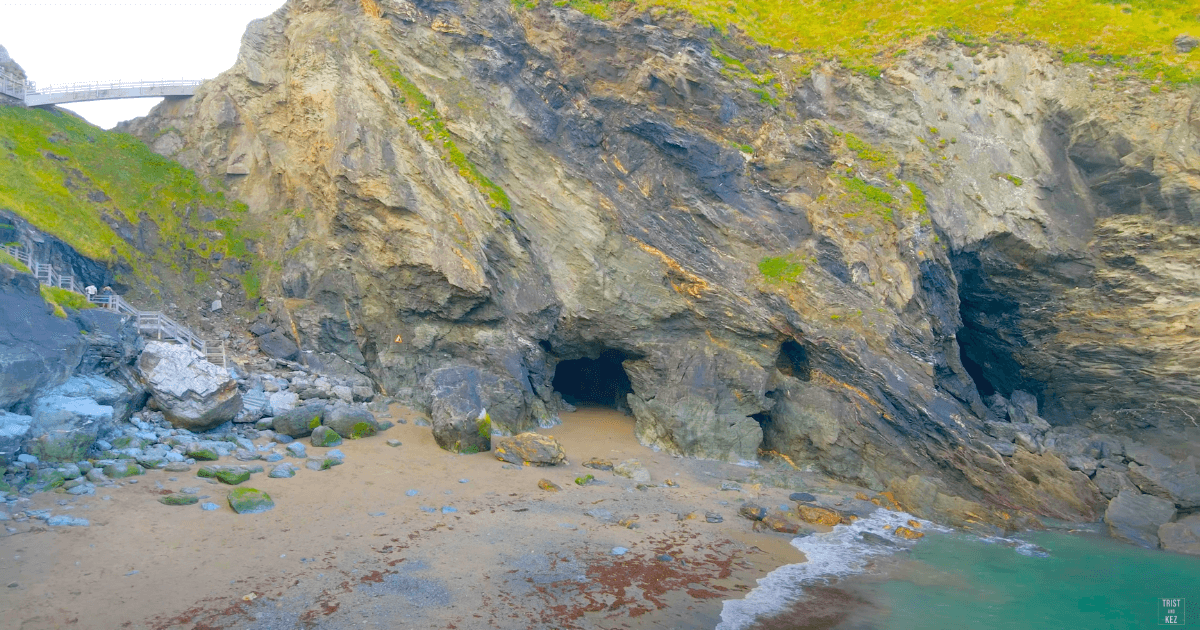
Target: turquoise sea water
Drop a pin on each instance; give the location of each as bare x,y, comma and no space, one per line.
1085,582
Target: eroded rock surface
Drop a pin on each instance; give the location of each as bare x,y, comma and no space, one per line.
617,197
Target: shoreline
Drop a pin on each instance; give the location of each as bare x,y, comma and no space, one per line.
349,540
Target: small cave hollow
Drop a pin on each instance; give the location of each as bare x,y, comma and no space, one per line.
793,361
599,382
975,371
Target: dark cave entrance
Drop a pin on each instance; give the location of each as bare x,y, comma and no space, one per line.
975,370
599,382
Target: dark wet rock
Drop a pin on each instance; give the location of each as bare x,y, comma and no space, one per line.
713,517
462,408
753,512
301,421
876,539
529,449
37,349
801,497
1135,518
277,345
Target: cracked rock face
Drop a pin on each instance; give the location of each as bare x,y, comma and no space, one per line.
468,191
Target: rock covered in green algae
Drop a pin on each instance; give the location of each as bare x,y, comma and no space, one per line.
204,455
179,499
122,469
232,477
324,436
250,501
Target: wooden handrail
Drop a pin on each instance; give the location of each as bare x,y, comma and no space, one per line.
154,322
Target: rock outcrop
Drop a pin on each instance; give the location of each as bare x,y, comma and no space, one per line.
193,393
466,195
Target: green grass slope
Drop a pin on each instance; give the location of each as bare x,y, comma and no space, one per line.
866,34
88,187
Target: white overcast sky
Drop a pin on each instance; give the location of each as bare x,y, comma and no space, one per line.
63,41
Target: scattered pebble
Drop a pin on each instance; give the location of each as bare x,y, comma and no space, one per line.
463,480
67,521
427,509
411,493
132,573
394,443
376,514
446,509
619,551
208,507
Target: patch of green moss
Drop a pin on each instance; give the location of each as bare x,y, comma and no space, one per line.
249,501
62,299
204,455
485,426
781,268
1013,179
8,260
868,192
918,204
864,150
429,123
52,184
584,480
361,430
315,422
233,477
179,499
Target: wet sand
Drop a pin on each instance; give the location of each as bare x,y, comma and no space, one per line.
512,556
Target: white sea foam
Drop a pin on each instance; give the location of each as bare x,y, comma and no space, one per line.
836,553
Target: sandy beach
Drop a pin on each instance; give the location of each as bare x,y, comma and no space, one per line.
349,548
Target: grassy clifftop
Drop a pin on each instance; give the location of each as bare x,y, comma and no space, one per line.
116,201
866,34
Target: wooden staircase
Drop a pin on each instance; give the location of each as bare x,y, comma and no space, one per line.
154,324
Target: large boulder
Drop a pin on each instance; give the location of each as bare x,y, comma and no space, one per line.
529,449
1136,518
301,421
351,422
13,430
1178,483
277,345
191,392
64,427
463,399
1182,536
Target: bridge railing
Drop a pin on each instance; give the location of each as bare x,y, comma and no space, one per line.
95,86
12,85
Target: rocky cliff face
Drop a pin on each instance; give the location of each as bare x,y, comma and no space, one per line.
822,264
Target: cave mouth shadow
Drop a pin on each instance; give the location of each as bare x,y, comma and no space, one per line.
599,382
